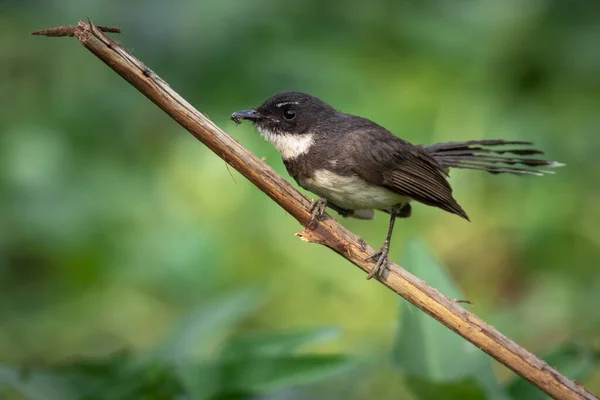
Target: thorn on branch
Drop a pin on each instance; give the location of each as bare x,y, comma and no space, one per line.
228,170
66,31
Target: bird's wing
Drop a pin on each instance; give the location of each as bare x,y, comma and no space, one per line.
403,168
418,178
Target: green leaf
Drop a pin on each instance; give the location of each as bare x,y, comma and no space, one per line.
232,396
261,375
111,378
574,361
277,344
265,356
457,390
201,380
426,349
204,325
271,373
38,385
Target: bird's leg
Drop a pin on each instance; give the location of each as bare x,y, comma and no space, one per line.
382,255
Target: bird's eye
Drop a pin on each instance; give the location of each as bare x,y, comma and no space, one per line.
290,113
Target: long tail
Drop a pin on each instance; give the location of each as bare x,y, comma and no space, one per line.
494,156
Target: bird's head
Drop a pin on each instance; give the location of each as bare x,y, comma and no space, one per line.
289,121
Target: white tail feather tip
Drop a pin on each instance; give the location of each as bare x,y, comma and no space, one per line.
556,164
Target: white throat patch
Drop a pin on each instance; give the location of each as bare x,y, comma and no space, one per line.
290,146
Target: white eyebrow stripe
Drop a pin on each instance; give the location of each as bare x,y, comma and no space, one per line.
286,103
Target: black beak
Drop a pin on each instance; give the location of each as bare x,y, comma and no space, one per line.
251,115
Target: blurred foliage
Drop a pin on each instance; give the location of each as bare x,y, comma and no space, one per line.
119,233
245,367
434,358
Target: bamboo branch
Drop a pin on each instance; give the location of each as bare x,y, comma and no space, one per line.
328,232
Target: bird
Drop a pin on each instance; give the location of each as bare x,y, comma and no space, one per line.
356,166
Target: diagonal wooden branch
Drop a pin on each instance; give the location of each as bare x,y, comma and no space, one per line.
329,232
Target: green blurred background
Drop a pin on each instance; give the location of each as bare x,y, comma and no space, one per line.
116,225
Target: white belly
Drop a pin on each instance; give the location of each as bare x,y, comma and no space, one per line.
351,192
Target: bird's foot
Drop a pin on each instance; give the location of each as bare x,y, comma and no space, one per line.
362,243
317,209
381,261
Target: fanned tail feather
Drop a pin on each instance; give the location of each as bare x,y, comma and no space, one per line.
490,156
